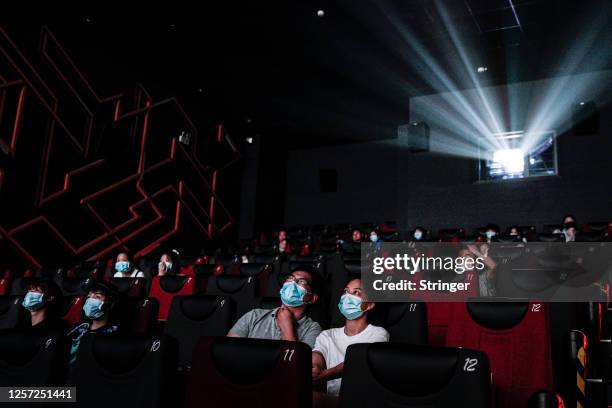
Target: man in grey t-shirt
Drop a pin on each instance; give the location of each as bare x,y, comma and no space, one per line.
289,321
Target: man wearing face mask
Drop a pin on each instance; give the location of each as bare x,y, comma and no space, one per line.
125,268
97,309
289,321
330,347
40,301
419,234
491,232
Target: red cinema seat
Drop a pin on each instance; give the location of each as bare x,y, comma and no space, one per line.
71,308
438,319
235,372
516,338
130,287
5,284
164,288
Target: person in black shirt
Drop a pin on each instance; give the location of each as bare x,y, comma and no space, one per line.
41,302
97,309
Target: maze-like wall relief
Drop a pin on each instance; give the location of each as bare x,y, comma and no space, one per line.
83,175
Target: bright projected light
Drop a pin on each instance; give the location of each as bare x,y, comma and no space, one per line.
512,160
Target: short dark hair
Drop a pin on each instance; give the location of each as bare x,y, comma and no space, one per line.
46,286
109,290
493,227
316,285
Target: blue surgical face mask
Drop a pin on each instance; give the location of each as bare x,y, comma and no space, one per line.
350,306
418,235
168,265
490,234
93,308
122,266
374,238
33,301
292,294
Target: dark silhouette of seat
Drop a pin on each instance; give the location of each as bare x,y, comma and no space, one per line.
12,314
195,316
235,372
133,371
241,289
405,322
401,375
164,288
131,287
32,359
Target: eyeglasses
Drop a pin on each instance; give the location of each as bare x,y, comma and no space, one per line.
299,281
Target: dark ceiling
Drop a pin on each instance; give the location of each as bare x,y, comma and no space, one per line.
277,69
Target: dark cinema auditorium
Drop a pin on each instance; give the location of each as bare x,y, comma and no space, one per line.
306,204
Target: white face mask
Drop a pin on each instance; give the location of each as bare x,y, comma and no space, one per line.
490,234
418,235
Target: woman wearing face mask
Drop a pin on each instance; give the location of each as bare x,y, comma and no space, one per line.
97,310
168,264
124,268
330,346
40,301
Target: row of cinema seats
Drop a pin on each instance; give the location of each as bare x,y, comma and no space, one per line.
496,355
324,238
521,343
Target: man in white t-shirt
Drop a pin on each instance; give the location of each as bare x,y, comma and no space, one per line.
330,346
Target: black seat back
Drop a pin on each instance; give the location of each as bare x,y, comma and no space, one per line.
199,315
32,359
133,370
400,375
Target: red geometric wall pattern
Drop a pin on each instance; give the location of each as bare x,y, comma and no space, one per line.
83,175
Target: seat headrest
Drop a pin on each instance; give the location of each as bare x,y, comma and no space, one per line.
73,285
231,283
204,270
199,307
6,302
252,269
498,315
123,284
245,361
120,354
593,236
18,347
172,283
353,267
551,238
412,371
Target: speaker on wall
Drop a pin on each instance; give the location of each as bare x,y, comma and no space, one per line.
328,180
585,119
414,136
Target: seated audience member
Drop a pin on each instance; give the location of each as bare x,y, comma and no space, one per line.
330,347
289,321
374,238
418,234
124,268
284,247
282,236
168,264
350,246
97,309
491,231
486,277
40,301
513,231
569,231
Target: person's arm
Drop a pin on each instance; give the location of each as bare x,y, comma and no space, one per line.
242,326
328,373
286,324
318,365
